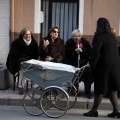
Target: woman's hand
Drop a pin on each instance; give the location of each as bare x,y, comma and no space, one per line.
78,50
46,43
49,58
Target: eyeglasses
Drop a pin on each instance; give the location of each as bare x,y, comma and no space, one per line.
55,31
75,36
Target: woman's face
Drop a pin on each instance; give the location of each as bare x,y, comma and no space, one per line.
76,37
27,35
54,34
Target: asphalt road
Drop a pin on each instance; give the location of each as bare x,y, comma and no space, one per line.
18,113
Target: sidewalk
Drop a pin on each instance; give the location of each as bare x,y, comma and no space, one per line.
12,98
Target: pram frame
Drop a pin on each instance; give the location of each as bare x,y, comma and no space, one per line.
69,83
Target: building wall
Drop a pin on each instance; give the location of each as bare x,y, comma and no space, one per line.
4,29
24,14
93,9
16,14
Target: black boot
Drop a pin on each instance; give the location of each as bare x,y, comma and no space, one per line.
89,95
88,91
21,91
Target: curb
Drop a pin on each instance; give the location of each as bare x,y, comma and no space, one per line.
11,102
82,103
12,98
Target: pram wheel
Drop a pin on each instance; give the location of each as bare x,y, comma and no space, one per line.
54,102
31,102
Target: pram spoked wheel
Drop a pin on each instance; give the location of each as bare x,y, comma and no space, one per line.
31,101
54,101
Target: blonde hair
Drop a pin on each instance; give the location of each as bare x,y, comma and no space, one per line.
113,31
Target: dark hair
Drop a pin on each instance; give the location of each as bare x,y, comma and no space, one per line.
103,25
52,29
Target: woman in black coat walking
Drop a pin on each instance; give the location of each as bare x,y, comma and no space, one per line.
105,62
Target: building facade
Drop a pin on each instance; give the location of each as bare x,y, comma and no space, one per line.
40,15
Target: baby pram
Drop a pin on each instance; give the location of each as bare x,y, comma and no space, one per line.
50,96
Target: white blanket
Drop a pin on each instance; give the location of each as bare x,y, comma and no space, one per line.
53,65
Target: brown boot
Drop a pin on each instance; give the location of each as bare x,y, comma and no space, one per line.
21,91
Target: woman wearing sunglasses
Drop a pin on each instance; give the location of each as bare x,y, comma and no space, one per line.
51,48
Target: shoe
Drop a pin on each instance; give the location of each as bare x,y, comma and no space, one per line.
114,115
21,91
95,114
89,95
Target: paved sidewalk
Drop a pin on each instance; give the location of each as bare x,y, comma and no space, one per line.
10,98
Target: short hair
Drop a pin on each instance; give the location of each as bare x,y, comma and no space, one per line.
24,30
76,31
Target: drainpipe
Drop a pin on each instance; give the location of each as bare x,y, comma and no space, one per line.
11,20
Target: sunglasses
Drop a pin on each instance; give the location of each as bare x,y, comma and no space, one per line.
55,31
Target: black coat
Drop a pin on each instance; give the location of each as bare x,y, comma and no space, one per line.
119,50
105,62
19,52
72,56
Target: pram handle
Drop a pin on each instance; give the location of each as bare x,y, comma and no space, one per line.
84,66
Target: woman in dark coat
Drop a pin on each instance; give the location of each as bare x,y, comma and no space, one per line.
105,62
114,33
23,48
75,47
51,48
71,54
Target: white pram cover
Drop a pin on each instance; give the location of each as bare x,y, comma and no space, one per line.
53,65
50,73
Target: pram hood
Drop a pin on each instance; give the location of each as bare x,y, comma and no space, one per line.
52,65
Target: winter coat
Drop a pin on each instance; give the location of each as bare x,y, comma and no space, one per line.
55,49
20,52
105,62
72,56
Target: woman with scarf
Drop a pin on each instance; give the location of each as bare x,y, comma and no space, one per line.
23,48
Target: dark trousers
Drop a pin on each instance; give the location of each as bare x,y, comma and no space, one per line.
87,78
